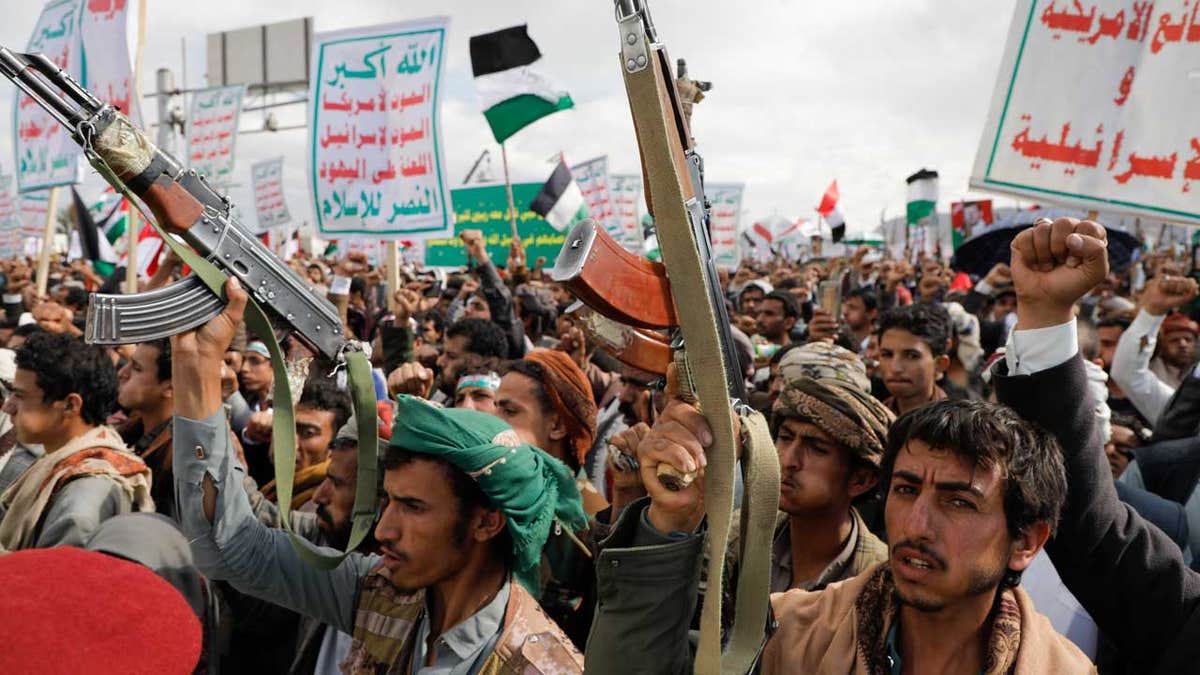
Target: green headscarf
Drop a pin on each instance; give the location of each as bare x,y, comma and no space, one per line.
531,487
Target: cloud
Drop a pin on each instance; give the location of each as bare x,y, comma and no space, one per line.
803,92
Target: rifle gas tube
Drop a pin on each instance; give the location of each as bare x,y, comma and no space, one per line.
184,204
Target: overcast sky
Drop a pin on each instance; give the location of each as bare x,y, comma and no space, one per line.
804,92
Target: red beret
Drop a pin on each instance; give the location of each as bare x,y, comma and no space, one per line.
66,610
1179,322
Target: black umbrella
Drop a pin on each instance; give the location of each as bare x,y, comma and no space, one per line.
979,254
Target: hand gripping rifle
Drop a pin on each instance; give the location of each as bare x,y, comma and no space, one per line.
707,363
185,204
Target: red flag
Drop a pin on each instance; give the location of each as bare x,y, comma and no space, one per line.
829,200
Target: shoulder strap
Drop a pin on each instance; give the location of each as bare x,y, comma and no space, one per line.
283,426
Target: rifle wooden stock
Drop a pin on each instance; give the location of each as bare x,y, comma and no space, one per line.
174,207
622,286
637,348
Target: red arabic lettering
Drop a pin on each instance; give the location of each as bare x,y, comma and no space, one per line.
1108,26
1058,152
1169,32
1116,151
346,104
1066,21
1150,167
1191,170
1125,86
1140,25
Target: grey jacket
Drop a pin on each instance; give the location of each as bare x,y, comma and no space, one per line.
646,595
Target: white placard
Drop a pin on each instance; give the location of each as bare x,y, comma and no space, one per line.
1095,107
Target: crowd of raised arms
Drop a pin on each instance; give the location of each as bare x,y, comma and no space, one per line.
978,475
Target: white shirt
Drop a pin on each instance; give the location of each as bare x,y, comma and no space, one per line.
1131,367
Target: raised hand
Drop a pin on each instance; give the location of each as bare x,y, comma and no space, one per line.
1164,293
1054,264
413,379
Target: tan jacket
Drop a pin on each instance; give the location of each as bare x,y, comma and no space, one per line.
821,632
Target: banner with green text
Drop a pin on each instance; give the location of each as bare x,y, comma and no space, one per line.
483,207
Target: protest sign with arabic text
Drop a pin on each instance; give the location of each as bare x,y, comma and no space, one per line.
377,159
269,204
592,178
45,154
483,207
1092,108
109,29
626,193
212,132
724,222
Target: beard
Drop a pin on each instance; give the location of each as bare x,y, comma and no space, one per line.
979,582
339,536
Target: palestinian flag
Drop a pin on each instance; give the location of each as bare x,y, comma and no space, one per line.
89,243
560,202
513,95
111,215
922,201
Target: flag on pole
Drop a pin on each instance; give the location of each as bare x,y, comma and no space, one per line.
922,204
90,243
560,201
110,212
513,95
831,209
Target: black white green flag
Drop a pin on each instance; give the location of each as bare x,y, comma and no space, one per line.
561,201
512,93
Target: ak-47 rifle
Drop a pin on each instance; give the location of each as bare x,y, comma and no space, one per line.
708,367
185,204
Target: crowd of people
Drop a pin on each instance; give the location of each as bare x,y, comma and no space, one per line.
993,474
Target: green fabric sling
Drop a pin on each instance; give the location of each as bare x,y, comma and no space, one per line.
283,423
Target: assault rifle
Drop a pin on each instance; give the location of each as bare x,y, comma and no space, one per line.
708,367
184,203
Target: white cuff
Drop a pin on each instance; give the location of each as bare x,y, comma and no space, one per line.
1037,349
982,286
1146,323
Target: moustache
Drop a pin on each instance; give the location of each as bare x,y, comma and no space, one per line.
922,549
323,514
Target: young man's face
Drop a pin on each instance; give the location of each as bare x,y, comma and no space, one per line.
422,533
856,315
482,399
750,300
314,433
517,403
773,324
908,366
453,351
1003,306
256,373
477,308
814,470
334,497
35,419
138,385
1179,348
949,538
929,288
